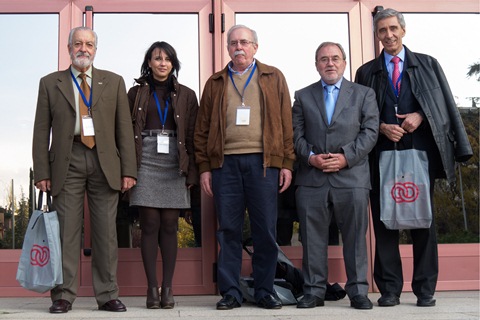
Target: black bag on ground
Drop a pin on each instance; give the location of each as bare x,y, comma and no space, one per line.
288,283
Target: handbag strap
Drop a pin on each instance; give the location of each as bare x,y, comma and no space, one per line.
40,200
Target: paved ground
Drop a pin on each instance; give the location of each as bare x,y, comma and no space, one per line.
458,305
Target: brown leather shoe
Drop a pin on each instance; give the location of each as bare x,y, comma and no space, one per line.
60,306
167,298
153,300
114,305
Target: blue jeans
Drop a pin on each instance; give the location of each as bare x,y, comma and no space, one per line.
243,184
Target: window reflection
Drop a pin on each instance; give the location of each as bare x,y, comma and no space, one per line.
455,55
30,52
291,44
123,50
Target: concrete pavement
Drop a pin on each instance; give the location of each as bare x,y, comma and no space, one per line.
458,305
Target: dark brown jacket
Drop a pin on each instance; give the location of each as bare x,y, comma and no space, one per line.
185,108
276,120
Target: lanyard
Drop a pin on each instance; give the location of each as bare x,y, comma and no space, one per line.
246,83
87,103
395,86
163,117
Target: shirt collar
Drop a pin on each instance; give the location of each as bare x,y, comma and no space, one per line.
389,57
76,73
337,85
237,72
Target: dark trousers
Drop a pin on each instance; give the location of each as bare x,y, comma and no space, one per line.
388,264
243,184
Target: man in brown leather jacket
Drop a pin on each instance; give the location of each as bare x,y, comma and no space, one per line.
244,149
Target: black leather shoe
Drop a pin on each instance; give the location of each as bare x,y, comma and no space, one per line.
388,300
310,301
228,302
60,306
361,302
269,302
153,299
114,305
426,301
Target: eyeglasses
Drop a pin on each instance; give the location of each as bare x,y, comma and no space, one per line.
243,42
326,60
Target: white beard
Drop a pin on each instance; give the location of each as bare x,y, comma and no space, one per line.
82,60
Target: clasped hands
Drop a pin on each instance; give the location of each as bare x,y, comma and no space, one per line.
328,162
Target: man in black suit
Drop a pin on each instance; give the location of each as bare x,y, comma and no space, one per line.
417,110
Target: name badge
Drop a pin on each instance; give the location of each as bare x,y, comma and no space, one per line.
243,116
162,143
87,126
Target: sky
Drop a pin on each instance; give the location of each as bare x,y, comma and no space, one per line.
33,52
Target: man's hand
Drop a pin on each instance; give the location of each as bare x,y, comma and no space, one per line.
128,183
206,183
285,179
43,185
392,131
411,121
331,162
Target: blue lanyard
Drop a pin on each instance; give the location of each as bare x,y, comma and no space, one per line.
163,117
395,86
87,103
246,83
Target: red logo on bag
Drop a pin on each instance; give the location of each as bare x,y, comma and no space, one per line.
404,192
39,255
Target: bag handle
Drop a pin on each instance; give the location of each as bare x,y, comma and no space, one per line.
40,201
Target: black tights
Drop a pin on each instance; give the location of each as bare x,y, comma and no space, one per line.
159,228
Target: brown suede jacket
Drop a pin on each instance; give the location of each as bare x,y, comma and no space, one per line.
185,106
276,120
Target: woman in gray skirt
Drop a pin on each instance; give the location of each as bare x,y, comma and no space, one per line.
163,115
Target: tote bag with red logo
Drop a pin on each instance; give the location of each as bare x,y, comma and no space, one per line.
405,190
40,265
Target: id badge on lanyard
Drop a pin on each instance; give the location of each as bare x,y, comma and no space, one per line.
87,124
87,121
243,111
243,116
162,143
162,137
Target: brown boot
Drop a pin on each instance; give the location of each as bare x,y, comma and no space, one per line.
153,300
167,298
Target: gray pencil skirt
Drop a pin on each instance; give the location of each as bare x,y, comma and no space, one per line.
159,184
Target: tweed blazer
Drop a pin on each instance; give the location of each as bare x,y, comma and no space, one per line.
54,127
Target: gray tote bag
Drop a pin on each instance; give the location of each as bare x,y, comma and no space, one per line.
405,190
40,265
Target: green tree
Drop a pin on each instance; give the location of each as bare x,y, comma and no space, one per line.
474,71
21,220
448,211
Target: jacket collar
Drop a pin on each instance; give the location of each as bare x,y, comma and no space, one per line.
410,60
261,68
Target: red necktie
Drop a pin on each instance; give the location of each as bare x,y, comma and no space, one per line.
88,141
396,73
